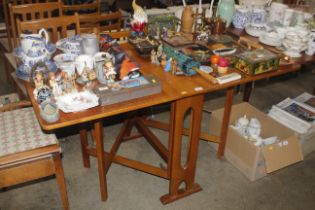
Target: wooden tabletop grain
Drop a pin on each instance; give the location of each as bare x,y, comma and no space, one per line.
173,88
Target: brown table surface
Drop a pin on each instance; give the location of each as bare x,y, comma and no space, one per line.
173,88
181,92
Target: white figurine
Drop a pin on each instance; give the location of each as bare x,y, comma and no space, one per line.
154,57
254,128
56,90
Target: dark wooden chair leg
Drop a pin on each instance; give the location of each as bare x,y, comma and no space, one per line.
61,181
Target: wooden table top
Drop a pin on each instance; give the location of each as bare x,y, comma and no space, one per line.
173,88
241,32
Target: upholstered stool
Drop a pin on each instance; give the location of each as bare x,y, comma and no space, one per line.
26,153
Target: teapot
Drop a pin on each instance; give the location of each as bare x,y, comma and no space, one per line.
32,44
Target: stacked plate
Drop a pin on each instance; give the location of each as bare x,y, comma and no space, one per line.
271,39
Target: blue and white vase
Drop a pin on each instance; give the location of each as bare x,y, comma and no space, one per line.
241,18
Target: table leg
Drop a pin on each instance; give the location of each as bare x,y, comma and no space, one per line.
225,121
183,174
84,147
98,129
247,91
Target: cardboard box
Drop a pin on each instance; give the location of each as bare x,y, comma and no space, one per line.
255,162
307,141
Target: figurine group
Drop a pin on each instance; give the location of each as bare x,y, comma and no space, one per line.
55,86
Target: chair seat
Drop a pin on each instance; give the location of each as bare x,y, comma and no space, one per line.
20,131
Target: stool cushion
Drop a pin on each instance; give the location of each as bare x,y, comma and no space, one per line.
20,131
9,98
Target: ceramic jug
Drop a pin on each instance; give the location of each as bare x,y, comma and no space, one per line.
32,43
226,9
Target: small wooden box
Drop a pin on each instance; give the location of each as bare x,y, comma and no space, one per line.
257,61
130,89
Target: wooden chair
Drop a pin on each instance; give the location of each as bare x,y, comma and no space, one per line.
57,26
26,153
85,8
6,43
103,22
31,12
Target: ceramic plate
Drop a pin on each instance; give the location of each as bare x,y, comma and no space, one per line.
74,102
271,39
254,31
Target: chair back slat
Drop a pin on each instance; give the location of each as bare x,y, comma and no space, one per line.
103,22
32,12
56,26
85,8
7,16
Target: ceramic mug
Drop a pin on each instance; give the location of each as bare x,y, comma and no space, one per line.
90,44
258,17
241,18
276,12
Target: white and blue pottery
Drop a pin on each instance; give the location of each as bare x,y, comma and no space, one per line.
258,17
71,45
241,18
35,48
23,71
34,42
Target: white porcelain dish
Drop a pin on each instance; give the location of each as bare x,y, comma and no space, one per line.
254,31
78,101
271,39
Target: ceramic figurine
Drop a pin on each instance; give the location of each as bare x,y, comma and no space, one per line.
139,20
109,71
56,91
168,65
73,83
254,128
174,68
67,83
163,60
153,57
38,82
159,51
241,125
